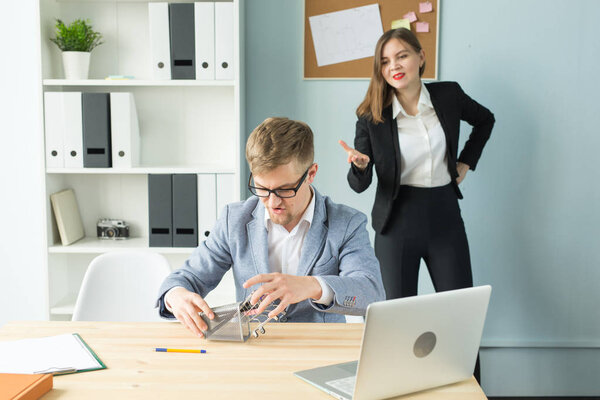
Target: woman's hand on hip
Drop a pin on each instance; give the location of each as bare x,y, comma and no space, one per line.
359,159
462,170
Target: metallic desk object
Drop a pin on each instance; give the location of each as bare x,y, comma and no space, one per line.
232,321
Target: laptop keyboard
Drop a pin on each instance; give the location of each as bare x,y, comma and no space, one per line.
345,385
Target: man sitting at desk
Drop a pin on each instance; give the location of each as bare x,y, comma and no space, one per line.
294,245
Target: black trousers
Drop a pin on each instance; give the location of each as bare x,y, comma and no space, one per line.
425,224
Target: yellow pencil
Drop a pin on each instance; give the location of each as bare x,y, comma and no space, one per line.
165,350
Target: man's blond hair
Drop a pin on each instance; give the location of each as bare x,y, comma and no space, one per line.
277,141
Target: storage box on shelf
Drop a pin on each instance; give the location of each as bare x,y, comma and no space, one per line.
186,127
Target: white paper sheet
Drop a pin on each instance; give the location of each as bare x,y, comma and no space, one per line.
346,35
47,354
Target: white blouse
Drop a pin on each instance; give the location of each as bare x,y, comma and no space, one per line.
422,144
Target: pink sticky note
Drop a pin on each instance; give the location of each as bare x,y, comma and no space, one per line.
410,16
422,26
425,7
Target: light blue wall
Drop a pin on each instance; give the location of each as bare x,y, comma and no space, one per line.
532,207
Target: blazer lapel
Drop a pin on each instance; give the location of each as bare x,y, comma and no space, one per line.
437,106
315,237
439,110
257,236
391,126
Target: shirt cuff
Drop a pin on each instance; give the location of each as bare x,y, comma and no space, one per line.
327,293
357,170
167,305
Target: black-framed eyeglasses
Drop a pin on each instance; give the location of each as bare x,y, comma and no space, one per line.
281,193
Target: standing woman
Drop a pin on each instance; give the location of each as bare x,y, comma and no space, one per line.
409,132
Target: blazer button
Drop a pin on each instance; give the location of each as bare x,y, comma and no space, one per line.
283,319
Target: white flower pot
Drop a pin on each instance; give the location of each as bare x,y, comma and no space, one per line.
76,64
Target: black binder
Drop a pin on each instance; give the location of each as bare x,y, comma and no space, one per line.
160,210
185,210
96,130
182,36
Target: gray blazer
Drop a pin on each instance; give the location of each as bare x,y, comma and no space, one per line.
336,248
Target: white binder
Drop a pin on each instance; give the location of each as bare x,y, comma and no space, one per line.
125,133
73,132
207,204
54,127
160,48
225,191
204,22
224,40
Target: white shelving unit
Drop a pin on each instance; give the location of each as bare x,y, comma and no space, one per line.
186,127
200,169
48,83
92,245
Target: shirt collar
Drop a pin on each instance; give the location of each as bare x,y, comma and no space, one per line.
424,99
307,216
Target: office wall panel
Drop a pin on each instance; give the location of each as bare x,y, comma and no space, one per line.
531,208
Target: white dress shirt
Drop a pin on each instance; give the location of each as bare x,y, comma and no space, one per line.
285,248
422,144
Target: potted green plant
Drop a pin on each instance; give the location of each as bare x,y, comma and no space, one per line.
76,41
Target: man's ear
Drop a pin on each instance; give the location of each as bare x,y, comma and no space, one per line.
312,172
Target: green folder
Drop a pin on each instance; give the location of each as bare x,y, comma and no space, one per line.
57,355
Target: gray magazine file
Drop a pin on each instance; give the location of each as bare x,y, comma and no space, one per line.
183,45
185,210
160,210
96,130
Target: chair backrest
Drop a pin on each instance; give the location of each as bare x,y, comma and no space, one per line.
121,286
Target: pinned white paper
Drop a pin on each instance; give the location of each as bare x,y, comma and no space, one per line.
346,35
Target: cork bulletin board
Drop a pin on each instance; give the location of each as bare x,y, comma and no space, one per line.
390,10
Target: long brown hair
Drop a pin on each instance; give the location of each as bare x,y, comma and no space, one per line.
379,94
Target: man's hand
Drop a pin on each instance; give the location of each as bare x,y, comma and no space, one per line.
185,306
290,289
462,169
356,157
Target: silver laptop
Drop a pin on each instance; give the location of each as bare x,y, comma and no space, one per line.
410,344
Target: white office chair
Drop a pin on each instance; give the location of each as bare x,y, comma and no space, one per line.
121,286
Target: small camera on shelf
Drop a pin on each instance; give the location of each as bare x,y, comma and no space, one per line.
112,229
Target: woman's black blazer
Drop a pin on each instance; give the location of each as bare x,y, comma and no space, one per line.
380,142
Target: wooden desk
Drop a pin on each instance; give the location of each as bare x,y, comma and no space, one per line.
258,369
